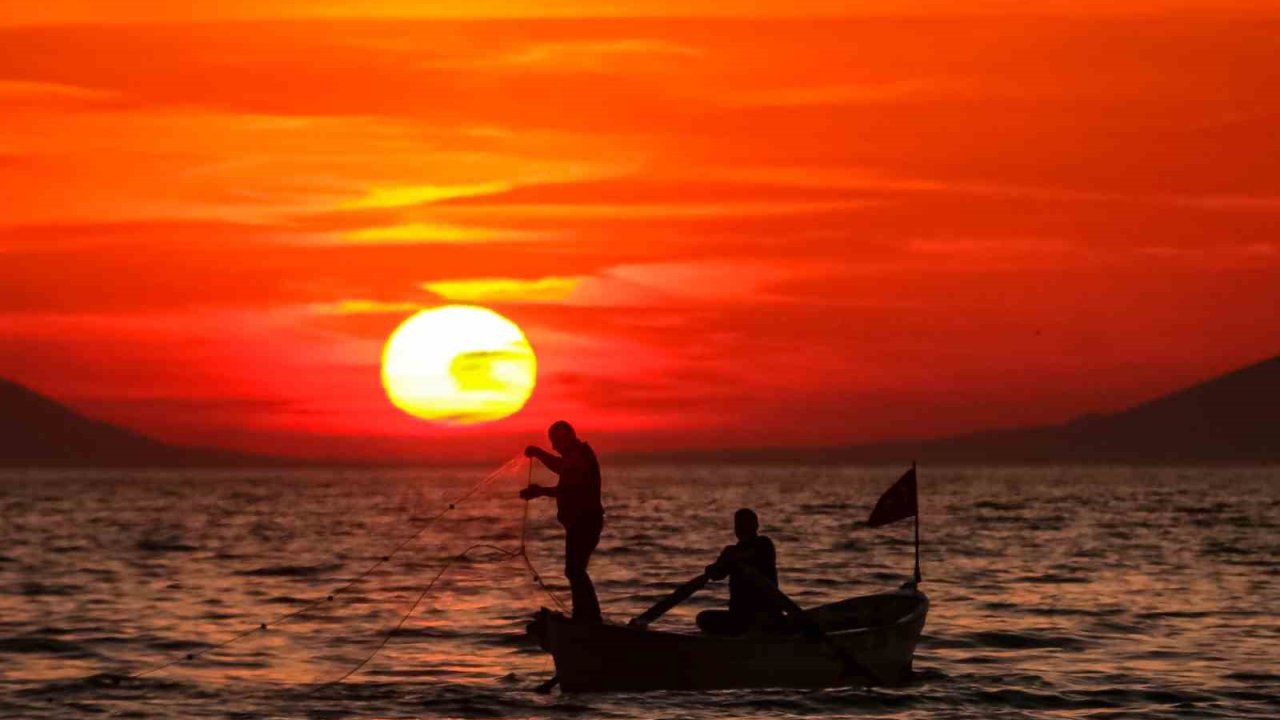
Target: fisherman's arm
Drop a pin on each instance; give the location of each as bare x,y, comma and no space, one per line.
554,463
535,490
719,569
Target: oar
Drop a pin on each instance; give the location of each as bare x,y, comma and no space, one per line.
681,594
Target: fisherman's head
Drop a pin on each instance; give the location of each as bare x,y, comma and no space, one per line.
562,436
745,524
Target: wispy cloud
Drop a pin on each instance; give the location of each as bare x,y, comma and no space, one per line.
505,290
602,55
390,197
413,233
367,307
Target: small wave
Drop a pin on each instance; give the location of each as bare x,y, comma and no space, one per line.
224,555
980,659
1114,626
1253,677
95,684
1054,579
1177,614
1202,509
175,645
164,546
815,583
450,700
507,640
217,616
107,640
1040,701
997,505
1004,640
290,570
1072,612
623,550
824,507
1221,548
428,633
36,645
39,589
1162,654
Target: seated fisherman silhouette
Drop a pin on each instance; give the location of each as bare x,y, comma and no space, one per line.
750,606
578,508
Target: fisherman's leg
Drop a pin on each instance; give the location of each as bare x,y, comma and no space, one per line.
580,542
586,598
720,622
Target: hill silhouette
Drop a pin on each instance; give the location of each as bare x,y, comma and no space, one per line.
36,431
1230,418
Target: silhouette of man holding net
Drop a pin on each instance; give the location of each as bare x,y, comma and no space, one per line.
578,508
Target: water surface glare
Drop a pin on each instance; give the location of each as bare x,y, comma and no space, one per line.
1057,592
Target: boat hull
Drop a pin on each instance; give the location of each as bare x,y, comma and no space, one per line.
605,657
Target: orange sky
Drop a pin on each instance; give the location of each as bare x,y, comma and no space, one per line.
716,231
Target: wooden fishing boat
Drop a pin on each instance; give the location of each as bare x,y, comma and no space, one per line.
869,640
866,640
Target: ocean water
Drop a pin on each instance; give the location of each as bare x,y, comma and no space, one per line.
1056,592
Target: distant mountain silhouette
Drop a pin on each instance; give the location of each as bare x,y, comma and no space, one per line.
1231,418
38,432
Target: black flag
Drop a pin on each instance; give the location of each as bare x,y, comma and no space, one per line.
897,503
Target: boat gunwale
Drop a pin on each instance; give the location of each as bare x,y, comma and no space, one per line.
920,609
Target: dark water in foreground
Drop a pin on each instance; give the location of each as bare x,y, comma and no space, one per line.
1056,592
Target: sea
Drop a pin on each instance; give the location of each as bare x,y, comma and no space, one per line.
1072,592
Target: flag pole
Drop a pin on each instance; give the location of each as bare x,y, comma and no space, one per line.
917,483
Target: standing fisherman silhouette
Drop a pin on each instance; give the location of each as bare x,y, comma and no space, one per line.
578,509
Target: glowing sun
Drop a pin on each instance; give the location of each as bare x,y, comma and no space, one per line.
458,364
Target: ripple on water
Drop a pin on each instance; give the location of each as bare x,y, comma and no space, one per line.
1053,579
43,645
1004,640
290,570
164,546
32,588
1060,611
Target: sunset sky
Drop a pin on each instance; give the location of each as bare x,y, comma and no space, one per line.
806,224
